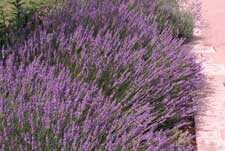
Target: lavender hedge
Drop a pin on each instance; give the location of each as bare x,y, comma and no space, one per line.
98,75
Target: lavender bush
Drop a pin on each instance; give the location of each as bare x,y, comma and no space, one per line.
42,111
98,75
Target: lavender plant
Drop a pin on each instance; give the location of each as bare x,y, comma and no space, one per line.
42,111
98,76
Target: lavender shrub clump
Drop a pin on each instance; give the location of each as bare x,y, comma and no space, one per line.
98,75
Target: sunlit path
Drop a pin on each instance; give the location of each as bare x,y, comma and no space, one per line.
210,49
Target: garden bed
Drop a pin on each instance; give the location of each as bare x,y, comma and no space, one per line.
99,75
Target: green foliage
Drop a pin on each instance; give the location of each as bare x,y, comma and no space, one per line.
3,29
184,22
179,21
14,17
